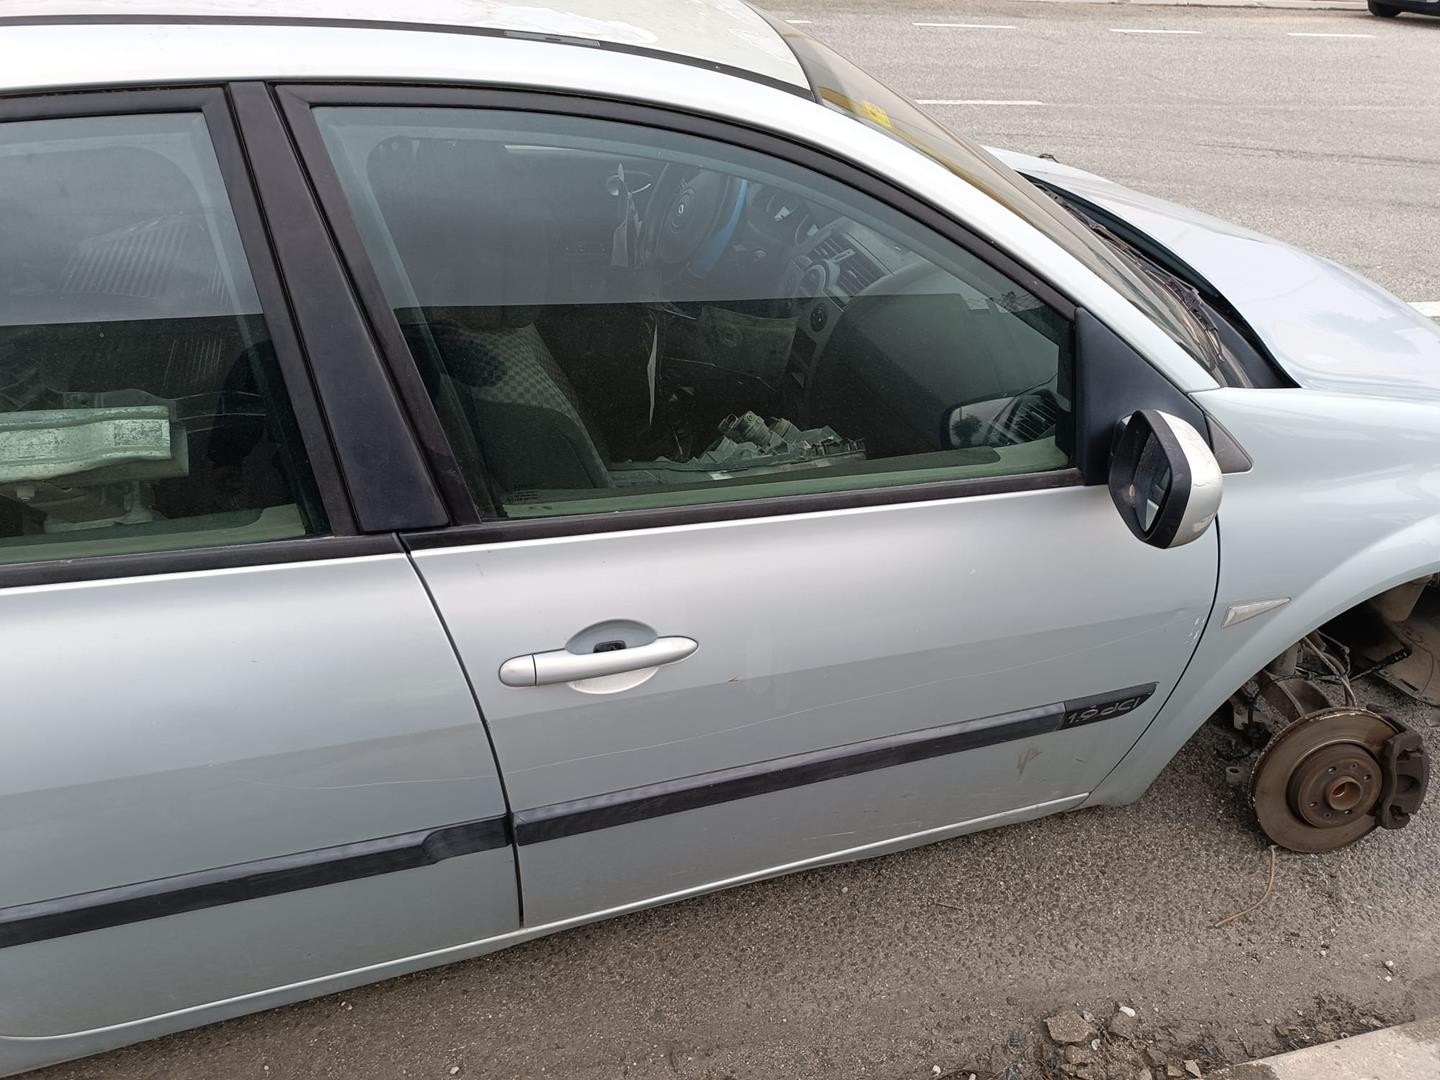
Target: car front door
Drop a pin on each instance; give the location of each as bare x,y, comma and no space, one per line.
238,756
783,552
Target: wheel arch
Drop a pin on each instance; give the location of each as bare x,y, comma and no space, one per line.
1228,657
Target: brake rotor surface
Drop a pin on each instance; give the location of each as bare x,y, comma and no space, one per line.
1316,785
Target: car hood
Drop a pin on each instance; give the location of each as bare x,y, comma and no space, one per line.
1328,327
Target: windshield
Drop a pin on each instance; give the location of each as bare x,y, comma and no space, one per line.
842,86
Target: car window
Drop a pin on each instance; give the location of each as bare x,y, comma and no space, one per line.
840,85
613,317
140,406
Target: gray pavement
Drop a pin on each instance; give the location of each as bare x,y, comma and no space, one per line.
948,956
1332,143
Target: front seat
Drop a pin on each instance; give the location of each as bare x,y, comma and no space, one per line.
479,270
522,408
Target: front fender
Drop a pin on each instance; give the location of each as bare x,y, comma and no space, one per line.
1343,503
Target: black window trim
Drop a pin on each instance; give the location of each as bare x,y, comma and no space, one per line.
298,99
211,101
386,470
385,327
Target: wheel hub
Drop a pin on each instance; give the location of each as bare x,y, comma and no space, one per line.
1318,783
1334,783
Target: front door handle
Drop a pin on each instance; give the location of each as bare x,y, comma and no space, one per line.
563,666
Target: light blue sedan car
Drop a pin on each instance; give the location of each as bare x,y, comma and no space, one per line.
468,470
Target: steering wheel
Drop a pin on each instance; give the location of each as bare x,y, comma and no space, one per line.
683,212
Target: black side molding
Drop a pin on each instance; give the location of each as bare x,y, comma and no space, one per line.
726,785
104,908
83,912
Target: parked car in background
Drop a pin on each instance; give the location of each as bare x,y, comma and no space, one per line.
1391,9
472,472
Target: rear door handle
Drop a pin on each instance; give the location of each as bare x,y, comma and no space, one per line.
563,666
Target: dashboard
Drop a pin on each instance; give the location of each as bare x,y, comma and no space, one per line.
946,339
825,253
826,260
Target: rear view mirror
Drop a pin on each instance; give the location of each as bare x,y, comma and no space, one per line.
1163,478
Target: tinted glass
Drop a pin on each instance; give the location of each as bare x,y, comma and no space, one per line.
842,86
140,407
613,317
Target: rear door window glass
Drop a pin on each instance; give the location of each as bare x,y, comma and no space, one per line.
140,403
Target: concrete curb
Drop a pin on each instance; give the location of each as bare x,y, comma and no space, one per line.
1284,5
1406,1052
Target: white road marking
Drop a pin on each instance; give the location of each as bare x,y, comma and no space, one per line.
1428,307
967,25
972,101
800,22
1117,30
1299,33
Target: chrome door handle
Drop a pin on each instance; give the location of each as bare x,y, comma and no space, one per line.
563,666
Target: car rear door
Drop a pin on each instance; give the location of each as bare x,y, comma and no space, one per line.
709,657
240,758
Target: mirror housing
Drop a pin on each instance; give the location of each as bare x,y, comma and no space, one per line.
1164,479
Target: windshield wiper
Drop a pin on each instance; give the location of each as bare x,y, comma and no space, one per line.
1215,357
1188,296
1191,300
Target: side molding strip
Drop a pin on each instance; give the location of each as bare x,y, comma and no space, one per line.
103,908
83,912
725,785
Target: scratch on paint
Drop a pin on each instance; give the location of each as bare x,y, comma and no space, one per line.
1029,755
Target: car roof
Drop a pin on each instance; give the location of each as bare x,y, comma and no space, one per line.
726,33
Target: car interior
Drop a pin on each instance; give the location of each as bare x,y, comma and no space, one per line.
621,326
138,393
599,326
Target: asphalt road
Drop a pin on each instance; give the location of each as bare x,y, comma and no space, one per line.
1332,143
888,968
935,957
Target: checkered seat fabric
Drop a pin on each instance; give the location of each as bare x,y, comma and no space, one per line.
523,410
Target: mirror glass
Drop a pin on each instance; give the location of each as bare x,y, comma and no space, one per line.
1152,483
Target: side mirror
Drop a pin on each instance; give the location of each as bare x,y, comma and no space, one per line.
1164,479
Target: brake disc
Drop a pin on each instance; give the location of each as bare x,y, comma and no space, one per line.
1320,782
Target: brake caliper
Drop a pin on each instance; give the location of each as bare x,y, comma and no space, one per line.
1404,776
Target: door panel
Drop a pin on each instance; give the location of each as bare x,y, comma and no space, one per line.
816,631
224,952
780,334
237,751
203,722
